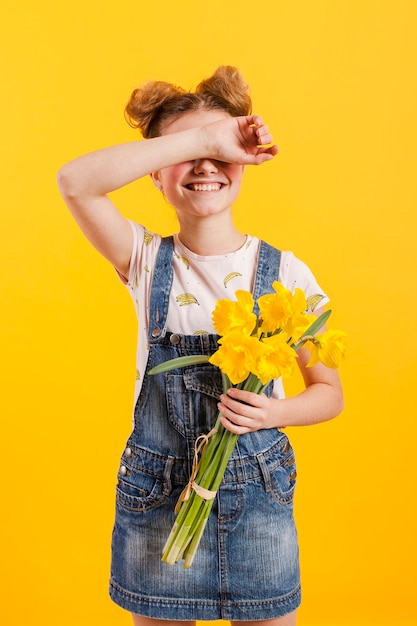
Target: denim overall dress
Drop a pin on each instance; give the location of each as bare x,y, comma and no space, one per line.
246,566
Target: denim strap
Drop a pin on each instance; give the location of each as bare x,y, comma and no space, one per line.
267,271
161,287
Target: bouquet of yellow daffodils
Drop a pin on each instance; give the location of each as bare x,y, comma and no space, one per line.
254,350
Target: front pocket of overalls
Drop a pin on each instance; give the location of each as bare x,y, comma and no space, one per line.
279,471
192,399
141,487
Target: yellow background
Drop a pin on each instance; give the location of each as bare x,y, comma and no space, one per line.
336,81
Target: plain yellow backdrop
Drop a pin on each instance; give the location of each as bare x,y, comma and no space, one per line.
336,82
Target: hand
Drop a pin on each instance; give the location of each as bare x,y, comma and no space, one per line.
257,412
239,140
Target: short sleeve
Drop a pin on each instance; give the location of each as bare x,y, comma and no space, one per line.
295,274
144,250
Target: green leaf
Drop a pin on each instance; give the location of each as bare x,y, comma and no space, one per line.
182,361
313,329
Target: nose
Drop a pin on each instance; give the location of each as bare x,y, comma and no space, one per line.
205,166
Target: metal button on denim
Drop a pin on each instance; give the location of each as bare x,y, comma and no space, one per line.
128,452
156,332
174,339
123,470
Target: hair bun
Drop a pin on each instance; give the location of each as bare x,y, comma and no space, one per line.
146,101
227,89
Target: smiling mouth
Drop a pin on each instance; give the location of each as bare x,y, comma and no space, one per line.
205,186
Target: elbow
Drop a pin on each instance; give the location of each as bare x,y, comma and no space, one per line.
340,406
66,182
72,183
338,401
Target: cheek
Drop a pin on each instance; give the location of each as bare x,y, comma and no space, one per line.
172,175
235,173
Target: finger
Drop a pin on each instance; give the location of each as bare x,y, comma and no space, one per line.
237,412
233,408
268,150
264,155
248,397
234,428
254,120
263,134
265,141
240,419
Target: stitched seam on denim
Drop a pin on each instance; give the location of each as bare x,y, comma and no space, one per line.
202,388
237,511
171,393
189,344
144,391
163,601
281,501
137,469
140,506
209,603
268,602
222,560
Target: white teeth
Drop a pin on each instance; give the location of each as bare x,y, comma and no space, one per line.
206,187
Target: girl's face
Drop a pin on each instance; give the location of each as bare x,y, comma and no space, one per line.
201,187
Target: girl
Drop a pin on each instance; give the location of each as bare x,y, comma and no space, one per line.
246,568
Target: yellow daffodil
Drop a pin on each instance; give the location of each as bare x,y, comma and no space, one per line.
236,355
298,331
230,314
276,359
298,318
275,309
328,348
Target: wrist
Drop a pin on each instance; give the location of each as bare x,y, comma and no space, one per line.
205,142
277,407
211,139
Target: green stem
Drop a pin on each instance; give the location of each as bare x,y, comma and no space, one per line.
312,330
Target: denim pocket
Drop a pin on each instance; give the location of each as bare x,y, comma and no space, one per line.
279,471
143,485
192,399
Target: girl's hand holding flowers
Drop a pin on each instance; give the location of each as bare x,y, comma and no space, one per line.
244,411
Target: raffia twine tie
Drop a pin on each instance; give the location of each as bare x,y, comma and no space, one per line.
206,494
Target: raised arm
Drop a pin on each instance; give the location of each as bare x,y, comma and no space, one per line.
85,182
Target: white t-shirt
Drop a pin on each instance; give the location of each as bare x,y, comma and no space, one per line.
198,282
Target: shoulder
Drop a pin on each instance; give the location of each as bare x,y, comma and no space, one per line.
144,237
144,251
295,273
291,266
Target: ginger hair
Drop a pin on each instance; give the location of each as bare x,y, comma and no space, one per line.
151,106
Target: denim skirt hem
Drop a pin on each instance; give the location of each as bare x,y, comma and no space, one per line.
202,610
